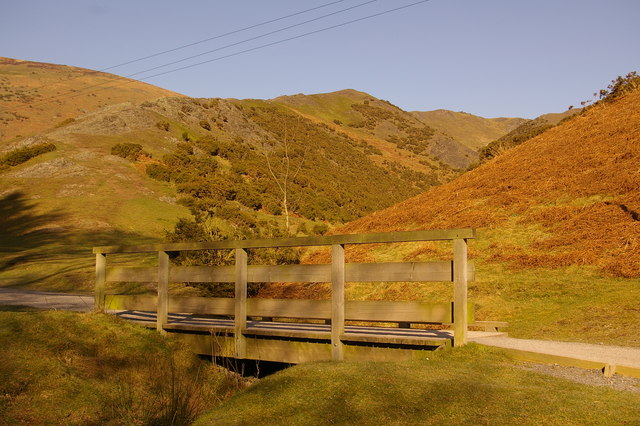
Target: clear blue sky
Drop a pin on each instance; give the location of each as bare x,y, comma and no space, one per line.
490,58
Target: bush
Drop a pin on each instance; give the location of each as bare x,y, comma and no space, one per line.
205,124
620,86
21,155
163,125
129,151
159,172
320,228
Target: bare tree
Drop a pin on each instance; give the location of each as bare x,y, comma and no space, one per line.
285,175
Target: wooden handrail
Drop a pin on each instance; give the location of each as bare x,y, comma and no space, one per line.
326,240
338,272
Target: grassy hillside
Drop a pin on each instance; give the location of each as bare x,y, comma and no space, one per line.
558,242
383,126
129,171
471,130
36,96
472,385
69,368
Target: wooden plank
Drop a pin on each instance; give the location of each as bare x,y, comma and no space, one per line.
294,352
337,300
459,292
355,272
221,330
101,278
202,305
567,361
388,272
542,358
355,310
240,311
386,237
289,308
290,273
396,340
291,351
290,333
413,312
203,274
624,370
163,290
133,274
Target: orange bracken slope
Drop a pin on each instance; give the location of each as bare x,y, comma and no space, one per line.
578,183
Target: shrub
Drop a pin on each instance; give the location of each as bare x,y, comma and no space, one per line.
159,172
320,228
129,151
21,155
205,124
163,125
620,86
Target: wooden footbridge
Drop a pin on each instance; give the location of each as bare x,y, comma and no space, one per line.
289,330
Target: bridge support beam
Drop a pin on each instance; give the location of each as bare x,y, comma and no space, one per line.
460,275
101,279
240,309
163,291
337,300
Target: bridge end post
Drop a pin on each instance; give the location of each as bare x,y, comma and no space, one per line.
337,300
240,309
101,278
460,309
163,291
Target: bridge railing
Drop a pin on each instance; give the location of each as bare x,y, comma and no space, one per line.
338,272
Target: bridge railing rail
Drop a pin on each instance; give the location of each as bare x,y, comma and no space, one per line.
458,271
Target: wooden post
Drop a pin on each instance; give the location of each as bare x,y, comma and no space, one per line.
101,278
240,318
163,291
459,292
337,300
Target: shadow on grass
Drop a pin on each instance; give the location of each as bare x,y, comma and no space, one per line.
23,229
18,308
52,252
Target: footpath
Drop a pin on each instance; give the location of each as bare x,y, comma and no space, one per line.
610,359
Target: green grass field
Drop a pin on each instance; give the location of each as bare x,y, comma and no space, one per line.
62,367
471,385
70,368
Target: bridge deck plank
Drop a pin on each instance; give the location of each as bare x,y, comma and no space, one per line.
311,331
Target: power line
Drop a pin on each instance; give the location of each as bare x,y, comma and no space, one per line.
208,39
286,39
129,81
71,92
252,38
221,35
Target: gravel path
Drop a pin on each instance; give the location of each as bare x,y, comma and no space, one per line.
618,355
46,300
